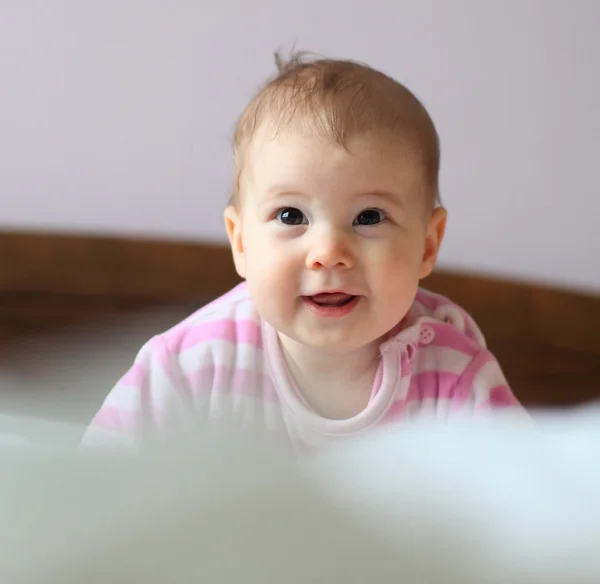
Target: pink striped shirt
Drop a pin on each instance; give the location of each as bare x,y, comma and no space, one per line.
224,361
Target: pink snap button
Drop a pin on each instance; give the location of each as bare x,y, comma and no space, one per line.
427,334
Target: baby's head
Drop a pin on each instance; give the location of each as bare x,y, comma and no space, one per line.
336,191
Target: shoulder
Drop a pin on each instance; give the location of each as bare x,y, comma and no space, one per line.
231,318
449,361
441,339
216,350
212,360
445,315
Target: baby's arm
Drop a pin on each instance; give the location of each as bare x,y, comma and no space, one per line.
482,388
134,408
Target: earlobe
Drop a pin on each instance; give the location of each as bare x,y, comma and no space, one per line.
234,232
433,240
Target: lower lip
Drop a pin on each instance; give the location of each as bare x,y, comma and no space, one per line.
331,311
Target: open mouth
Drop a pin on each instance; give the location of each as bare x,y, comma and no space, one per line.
331,304
332,299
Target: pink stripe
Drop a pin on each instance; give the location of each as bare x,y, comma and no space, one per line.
227,329
395,412
429,385
232,381
135,377
449,337
432,385
502,397
114,420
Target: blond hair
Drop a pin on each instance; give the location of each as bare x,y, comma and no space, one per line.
340,100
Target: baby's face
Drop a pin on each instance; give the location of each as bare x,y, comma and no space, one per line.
332,243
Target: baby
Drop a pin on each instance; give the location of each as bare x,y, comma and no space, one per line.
333,221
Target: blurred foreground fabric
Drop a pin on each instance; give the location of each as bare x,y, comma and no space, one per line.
501,502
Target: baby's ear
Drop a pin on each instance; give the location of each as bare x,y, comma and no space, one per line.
433,240
233,225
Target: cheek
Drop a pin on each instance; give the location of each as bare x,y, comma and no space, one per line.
395,284
396,259
393,276
273,282
270,263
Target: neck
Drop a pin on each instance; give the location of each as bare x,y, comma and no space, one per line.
335,385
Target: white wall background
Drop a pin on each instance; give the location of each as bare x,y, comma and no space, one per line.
115,115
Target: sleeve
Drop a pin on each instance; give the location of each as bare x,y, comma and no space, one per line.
136,406
482,390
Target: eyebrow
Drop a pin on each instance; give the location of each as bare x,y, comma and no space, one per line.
388,196
393,198
283,191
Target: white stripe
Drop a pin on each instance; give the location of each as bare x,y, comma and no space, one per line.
442,359
490,375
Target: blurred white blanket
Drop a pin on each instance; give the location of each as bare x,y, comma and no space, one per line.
462,504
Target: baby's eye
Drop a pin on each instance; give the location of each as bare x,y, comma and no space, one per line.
369,217
291,216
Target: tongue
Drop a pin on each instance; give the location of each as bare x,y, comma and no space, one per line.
331,299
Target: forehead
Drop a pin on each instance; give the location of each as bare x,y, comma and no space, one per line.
299,158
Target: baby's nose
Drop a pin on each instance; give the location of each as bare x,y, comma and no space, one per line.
330,251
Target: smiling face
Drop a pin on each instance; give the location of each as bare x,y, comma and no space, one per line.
332,242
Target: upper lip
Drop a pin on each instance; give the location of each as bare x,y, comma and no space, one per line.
331,292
